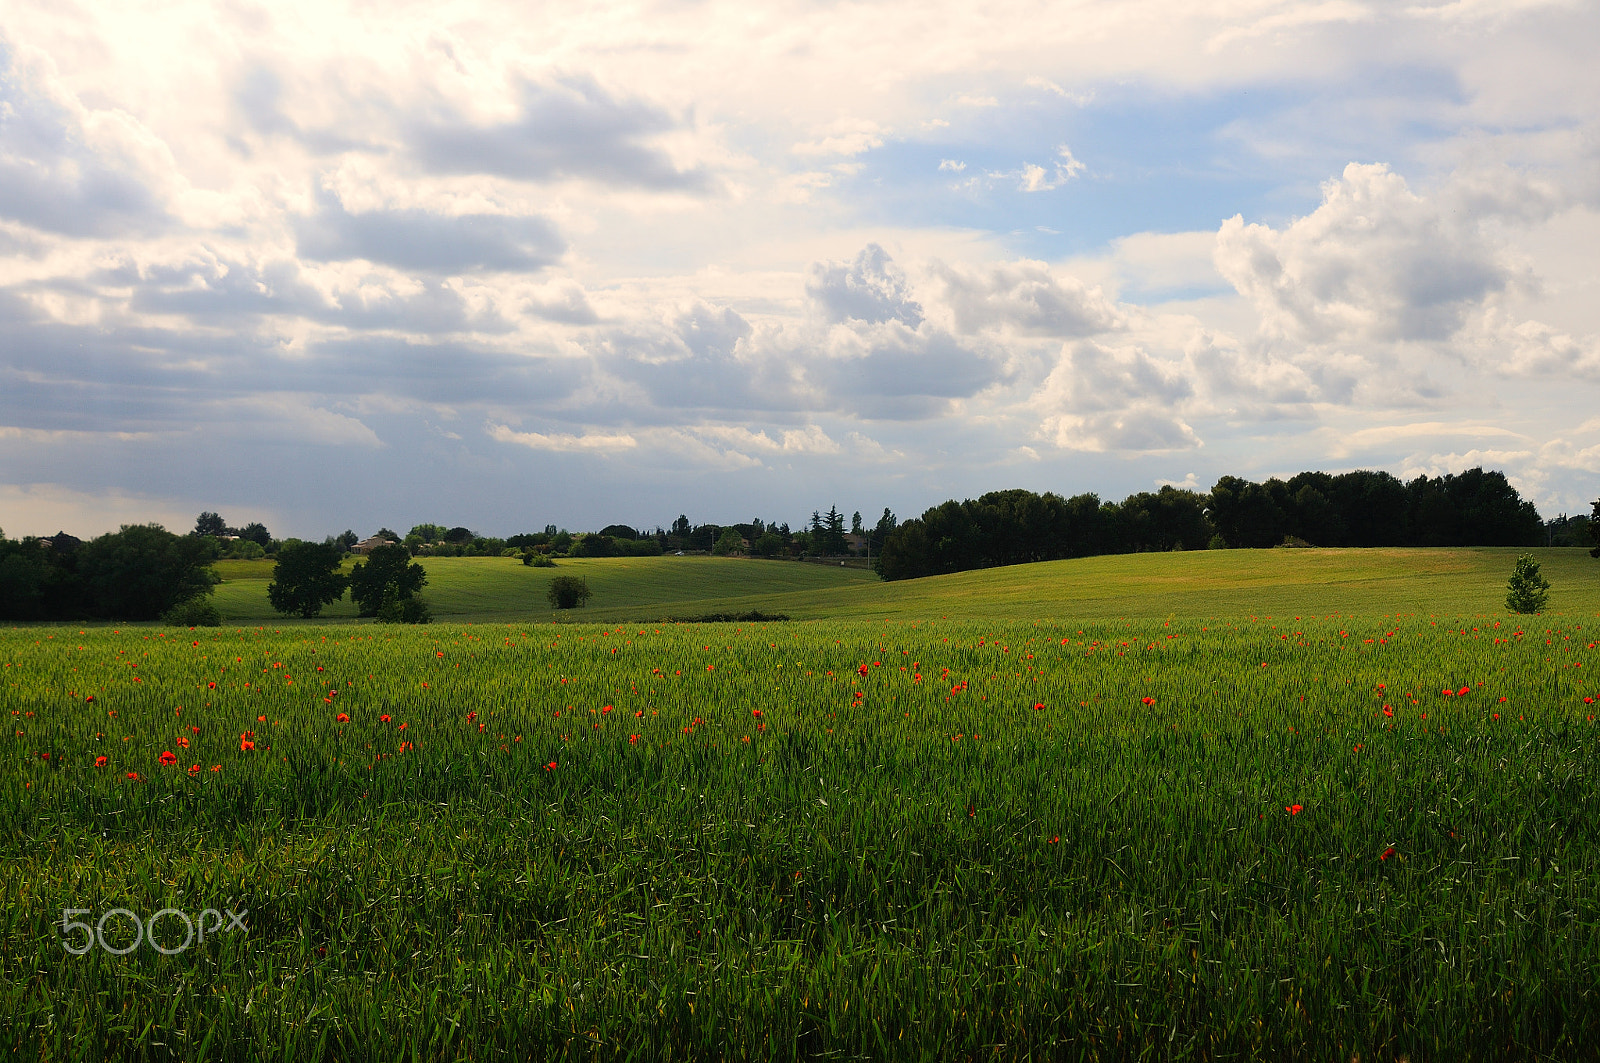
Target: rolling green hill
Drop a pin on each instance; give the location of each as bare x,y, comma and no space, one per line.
1207,583
498,588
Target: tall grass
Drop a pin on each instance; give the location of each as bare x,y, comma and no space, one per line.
1184,840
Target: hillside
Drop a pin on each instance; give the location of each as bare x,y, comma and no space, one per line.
1464,581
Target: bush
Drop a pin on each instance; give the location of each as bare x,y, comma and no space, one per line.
192,612
398,610
1527,591
568,592
534,559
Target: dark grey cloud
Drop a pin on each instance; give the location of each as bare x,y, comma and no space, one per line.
425,241
56,376
567,128
870,289
902,374
51,179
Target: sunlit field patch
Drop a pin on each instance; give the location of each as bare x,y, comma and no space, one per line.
1282,836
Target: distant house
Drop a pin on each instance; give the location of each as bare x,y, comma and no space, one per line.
856,543
62,542
366,546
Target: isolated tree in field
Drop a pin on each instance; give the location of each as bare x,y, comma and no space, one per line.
568,592
387,577
306,578
1527,591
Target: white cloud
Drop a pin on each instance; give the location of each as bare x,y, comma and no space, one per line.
1101,398
1025,296
808,440
591,442
1374,262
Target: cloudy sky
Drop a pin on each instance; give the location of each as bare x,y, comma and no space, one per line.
331,265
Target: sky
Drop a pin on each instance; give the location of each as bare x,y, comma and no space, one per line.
349,265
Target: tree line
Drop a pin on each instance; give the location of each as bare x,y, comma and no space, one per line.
1363,508
143,572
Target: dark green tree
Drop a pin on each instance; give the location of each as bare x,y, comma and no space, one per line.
387,577
211,524
257,533
306,578
729,543
1527,591
833,543
1594,528
769,544
143,570
568,592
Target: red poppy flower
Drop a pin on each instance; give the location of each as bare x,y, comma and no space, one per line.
133,775
755,712
1387,711
550,766
1293,810
101,762
862,670
384,718
168,758
1148,701
194,769
245,745
1463,690
343,717
1387,853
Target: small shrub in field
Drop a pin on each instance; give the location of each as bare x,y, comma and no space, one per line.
568,592
534,559
1527,591
192,612
398,610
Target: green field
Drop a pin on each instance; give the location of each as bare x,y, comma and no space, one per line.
1206,583
1285,805
482,589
